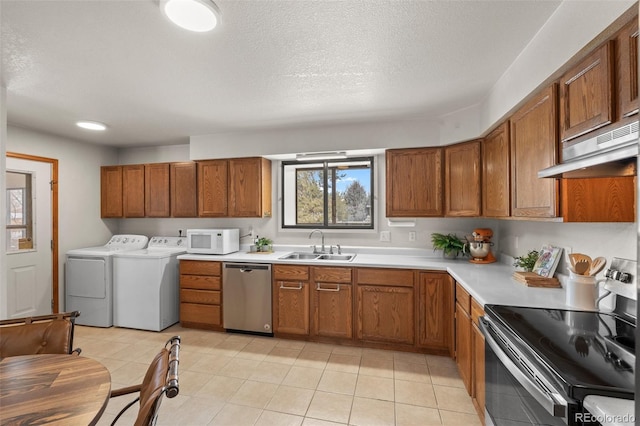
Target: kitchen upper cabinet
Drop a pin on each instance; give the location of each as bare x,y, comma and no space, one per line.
156,190
201,294
291,299
238,187
184,196
586,94
414,182
496,175
249,187
462,180
606,199
463,337
332,302
435,312
534,147
385,305
111,191
213,178
133,190
627,69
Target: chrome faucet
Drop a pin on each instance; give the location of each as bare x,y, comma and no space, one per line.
322,235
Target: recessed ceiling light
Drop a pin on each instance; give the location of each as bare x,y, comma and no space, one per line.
192,15
91,125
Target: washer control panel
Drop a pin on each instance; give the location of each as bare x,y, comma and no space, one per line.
168,242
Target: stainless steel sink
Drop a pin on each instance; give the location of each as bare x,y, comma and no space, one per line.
300,256
343,257
296,255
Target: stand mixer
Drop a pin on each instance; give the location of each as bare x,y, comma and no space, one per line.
480,246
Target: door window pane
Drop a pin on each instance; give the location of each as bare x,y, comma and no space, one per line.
19,211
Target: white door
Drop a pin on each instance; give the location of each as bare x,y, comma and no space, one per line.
29,235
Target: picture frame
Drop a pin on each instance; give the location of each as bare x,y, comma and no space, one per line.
547,261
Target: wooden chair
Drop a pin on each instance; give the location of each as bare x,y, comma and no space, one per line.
161,378
44,334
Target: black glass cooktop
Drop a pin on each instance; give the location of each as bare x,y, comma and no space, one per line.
587,352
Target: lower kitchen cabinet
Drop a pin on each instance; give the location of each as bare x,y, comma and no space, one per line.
201,294
477,339
332,302
385,305
463,337
291,299
435,312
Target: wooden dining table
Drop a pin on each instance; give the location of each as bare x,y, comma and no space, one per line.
52,389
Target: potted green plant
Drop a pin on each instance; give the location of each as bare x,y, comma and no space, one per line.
450,244
526,261
263,244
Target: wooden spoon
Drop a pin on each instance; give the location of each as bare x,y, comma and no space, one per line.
596,266
581,267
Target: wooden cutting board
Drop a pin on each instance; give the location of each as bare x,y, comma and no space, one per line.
531,279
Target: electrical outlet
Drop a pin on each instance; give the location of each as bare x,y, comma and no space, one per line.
250,231
385,236
412,235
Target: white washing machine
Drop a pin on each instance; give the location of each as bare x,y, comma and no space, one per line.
146,285
89,279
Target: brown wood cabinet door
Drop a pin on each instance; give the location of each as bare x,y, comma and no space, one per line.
184,195
156,190
534,147
332,307
414,182
478,391
291,307
462,180
586,94
111,191
213,181
246,187
133,190
627,70
607,199
435,311
386,314
496,201
463,346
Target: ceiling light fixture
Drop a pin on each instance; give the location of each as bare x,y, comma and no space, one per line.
92,125
193,15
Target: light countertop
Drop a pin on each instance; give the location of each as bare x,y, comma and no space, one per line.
487,283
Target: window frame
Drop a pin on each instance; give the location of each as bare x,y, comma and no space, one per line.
27,213
324,163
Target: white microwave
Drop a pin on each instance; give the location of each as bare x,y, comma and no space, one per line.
213,241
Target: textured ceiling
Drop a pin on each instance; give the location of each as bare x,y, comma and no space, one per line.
268,63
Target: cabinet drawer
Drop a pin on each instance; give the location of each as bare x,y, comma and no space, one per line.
198,267
476,311
203,314
288,272
204,297
463,298
200,282
392,277
332,275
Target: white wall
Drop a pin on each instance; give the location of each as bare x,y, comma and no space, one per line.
79,222
3,201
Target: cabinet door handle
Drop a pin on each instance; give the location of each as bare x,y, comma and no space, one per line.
320,288
299,287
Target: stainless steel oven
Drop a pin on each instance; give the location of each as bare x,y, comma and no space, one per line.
540,364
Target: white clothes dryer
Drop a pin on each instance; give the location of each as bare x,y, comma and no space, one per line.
146,285
89,279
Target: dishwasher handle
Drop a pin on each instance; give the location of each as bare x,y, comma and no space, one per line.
247,267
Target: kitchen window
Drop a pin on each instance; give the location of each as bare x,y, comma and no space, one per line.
328,194
19,223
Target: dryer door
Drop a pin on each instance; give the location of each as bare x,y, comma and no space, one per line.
87,277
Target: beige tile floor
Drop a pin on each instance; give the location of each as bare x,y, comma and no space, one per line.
234,379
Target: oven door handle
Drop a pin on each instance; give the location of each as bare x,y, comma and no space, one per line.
555,404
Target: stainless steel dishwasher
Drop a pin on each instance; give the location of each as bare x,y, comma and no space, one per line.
246,298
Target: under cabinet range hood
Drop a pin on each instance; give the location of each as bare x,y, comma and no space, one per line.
613,153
